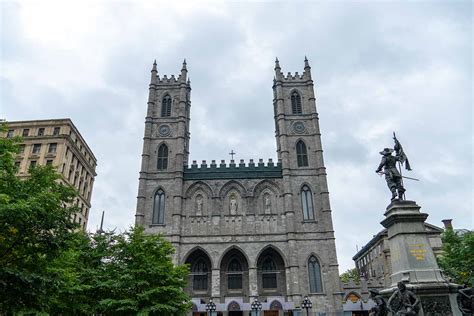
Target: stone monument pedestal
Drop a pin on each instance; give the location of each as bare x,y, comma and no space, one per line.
414,262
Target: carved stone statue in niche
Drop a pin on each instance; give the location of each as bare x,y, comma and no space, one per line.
233,204
199,205
267,204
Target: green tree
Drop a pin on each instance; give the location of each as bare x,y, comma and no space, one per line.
350,274
457,259
35,227
48,266
133,273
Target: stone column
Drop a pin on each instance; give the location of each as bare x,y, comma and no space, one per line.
253,287
216,284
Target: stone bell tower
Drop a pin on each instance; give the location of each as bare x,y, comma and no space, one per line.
305,189
165,146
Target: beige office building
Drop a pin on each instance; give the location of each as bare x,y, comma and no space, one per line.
57,142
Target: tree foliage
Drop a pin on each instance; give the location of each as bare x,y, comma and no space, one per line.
350,274
457,259
133,273
48,266
35,227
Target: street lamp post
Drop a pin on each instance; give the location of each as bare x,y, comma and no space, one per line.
306,304
210,307
256,306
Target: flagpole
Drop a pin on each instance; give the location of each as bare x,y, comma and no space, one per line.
400,169
401,177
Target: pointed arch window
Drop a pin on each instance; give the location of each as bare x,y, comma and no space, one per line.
296,103
301,154
200,275
269,274
314,273
159,207
234,275
307,203
162,162
166,106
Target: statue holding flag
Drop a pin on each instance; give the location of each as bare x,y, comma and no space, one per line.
393,175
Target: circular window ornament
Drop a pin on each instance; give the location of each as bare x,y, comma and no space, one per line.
164,130
299,128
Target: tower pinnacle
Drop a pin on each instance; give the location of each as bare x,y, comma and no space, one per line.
306,63
154,73
307,68
184,71
278,73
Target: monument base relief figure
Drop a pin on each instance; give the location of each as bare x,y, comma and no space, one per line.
381,304
465,300
403,301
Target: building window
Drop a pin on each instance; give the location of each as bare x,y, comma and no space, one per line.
22,149
307,203
314,273
49,162
296,103
301,154
40,131
32,163
234,275
199,272
26,132
36,148
52,148
166,106
269,274
159,207
162,162
10,133
56,131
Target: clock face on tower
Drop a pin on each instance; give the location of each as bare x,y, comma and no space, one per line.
298,127
164,130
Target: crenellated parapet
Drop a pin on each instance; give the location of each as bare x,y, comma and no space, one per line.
170,80
290,77
233,170
296,76
164,80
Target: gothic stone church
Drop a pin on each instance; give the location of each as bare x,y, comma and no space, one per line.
247,229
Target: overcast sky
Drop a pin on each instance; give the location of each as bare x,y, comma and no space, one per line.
378,67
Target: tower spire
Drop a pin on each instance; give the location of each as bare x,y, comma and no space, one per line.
278,73
184,71
306,64
307,68
154,74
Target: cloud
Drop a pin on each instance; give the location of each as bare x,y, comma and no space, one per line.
378,67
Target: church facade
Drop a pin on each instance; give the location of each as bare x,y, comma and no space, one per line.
247,229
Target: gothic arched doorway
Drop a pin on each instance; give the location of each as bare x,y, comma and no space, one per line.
234,274
271,273
199,282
